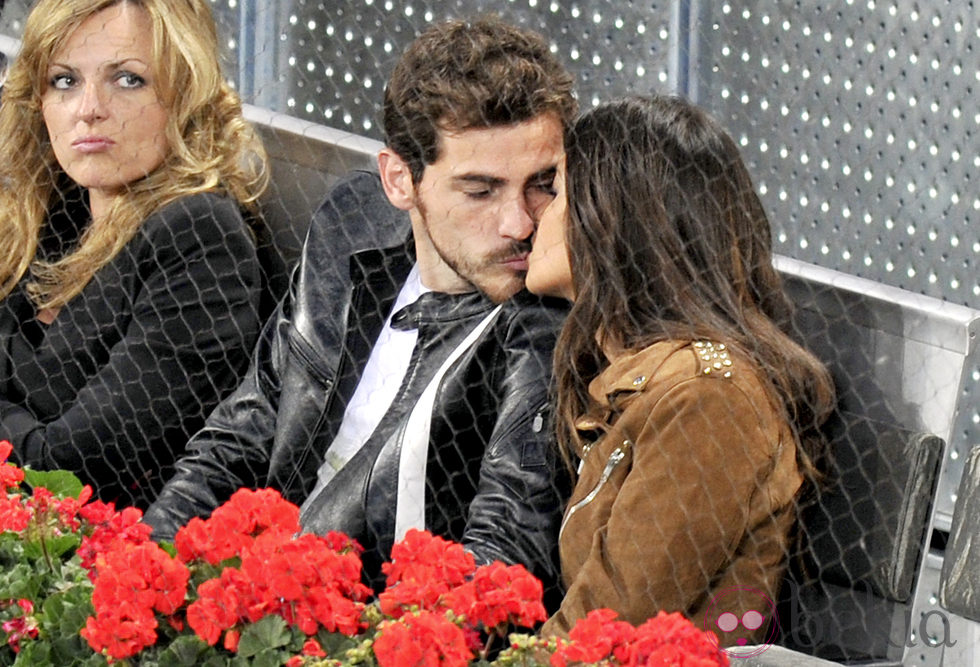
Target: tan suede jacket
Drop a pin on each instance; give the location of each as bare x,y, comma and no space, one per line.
686,503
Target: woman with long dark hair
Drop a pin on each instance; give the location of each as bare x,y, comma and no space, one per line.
686,410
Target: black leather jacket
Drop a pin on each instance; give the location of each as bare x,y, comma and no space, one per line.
492,478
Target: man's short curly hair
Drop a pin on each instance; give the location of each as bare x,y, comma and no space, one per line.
460,75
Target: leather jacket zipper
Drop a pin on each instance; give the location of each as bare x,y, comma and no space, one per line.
615,458
308,361
329,393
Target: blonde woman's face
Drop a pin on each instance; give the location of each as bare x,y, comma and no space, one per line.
549,270
103,115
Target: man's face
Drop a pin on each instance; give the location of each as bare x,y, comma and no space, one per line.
476,206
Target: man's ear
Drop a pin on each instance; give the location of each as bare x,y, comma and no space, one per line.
396,178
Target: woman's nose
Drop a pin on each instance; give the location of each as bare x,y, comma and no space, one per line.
91,103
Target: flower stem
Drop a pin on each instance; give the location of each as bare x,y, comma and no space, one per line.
486,647
44,552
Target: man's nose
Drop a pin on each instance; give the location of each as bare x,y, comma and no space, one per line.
516,220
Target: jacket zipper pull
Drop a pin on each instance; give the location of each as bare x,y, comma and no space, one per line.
615,458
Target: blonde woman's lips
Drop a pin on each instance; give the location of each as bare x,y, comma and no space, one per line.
92,144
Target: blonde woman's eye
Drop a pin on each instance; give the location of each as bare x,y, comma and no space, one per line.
130,80
61,81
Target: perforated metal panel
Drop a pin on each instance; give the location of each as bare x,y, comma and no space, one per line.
227,15
331,59
856,117
860,122
12,21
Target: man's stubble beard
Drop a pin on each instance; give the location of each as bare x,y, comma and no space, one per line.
471,271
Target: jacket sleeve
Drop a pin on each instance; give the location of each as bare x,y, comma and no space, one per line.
700,458
194,318
233,448
256,437
522,487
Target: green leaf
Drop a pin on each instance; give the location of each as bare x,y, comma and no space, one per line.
20,581
267,632
73,650
65,613
34,654
59,546
59,482
32,550
268,657
184,651
335,644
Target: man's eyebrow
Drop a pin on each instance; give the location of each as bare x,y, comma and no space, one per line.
547,172
496,181
479,179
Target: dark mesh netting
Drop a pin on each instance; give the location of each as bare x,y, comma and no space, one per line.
229,345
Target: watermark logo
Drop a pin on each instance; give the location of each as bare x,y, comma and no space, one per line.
739,630
739,616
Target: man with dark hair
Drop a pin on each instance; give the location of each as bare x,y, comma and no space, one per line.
403,381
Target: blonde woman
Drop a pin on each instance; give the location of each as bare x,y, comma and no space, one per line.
129,280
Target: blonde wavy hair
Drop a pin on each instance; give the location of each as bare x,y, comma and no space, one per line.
211,146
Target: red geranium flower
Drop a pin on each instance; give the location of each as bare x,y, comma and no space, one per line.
597,637
217,606
312,648
10,475
253,512
232,637
422,570
671,639
405,596
120,637
22,627
423,557
132,582
98,513
111,530
14,515
302,579
506,594
307,582
233,527
425,639
202,540
341,543
68,508
133,577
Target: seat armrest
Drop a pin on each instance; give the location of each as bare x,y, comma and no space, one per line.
959,583
867,528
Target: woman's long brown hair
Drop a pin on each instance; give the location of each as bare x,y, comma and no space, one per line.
668,240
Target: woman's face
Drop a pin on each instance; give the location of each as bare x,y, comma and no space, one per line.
101,110
549,271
